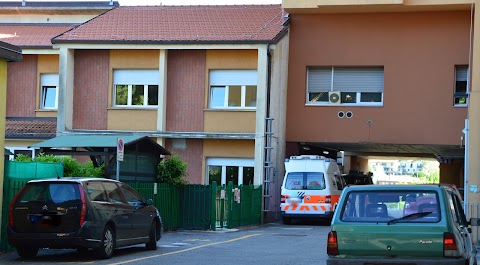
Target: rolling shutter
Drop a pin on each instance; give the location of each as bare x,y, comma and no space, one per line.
319,79
136,77
50,80
233,77
358,79
461,73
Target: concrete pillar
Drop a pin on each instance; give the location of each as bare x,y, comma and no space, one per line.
452,172
473,153
358,163
261,114
65,92
162,96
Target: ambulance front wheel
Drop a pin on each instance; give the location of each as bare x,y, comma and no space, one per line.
287,220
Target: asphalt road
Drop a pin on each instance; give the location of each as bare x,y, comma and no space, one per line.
276,244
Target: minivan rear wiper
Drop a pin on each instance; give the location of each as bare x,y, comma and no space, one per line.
409,217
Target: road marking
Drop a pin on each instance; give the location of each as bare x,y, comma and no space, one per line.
184,250
299,228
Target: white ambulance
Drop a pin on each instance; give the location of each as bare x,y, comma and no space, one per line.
311,187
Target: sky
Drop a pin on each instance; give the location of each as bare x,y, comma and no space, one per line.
175,2
196,2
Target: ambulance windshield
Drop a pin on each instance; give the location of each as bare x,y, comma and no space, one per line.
305,181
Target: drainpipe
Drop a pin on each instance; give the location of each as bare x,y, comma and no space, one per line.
465,170
267,163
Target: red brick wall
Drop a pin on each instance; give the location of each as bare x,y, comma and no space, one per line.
193,156
185,90
90,97
22,87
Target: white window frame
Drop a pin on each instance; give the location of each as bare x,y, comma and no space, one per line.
137,77
462,73
12,149
228,162
330,85
227,78
48,81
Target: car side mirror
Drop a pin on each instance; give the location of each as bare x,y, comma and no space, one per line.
149,202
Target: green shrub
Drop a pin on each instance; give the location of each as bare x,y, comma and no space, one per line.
23,158
172,171
42,157
71,167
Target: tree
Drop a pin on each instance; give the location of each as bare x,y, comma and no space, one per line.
172,171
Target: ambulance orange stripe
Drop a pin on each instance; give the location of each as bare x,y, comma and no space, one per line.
315,208
304,208
286,207
294,208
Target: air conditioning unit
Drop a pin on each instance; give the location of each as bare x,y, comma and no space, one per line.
334,97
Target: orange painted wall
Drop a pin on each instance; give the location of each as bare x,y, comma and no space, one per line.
228,121
418,51
124,118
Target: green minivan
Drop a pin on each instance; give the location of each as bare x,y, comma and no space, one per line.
400,224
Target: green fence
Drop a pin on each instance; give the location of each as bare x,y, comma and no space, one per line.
16,176
186,207
204,207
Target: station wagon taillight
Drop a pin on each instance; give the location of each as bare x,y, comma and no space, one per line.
83,208
284,199
450,245
10,207
332,244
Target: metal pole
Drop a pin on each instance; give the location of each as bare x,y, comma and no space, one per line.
465,171
118,170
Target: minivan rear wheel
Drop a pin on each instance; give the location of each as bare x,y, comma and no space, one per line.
105,251
27,252
152,240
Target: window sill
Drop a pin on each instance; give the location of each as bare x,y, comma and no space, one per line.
230,110
155,108
46,110
460,106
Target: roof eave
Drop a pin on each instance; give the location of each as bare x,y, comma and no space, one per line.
10,52
162,42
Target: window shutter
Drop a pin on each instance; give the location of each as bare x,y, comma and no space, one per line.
136,77
319,79
461,73
50,80
358,79
233,77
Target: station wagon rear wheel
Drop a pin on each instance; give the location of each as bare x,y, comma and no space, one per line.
152,239
27,252
105,251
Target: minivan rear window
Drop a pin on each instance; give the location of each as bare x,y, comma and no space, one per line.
411,206
50,192
305,181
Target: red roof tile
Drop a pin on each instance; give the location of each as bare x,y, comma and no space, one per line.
31,128
31,36
183,24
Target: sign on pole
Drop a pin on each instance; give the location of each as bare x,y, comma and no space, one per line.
120,149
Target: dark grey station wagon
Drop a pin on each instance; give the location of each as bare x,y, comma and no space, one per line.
83,214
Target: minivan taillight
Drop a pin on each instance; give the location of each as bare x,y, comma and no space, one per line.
10,207
328,199
332,244
284,199
450,245
83,209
